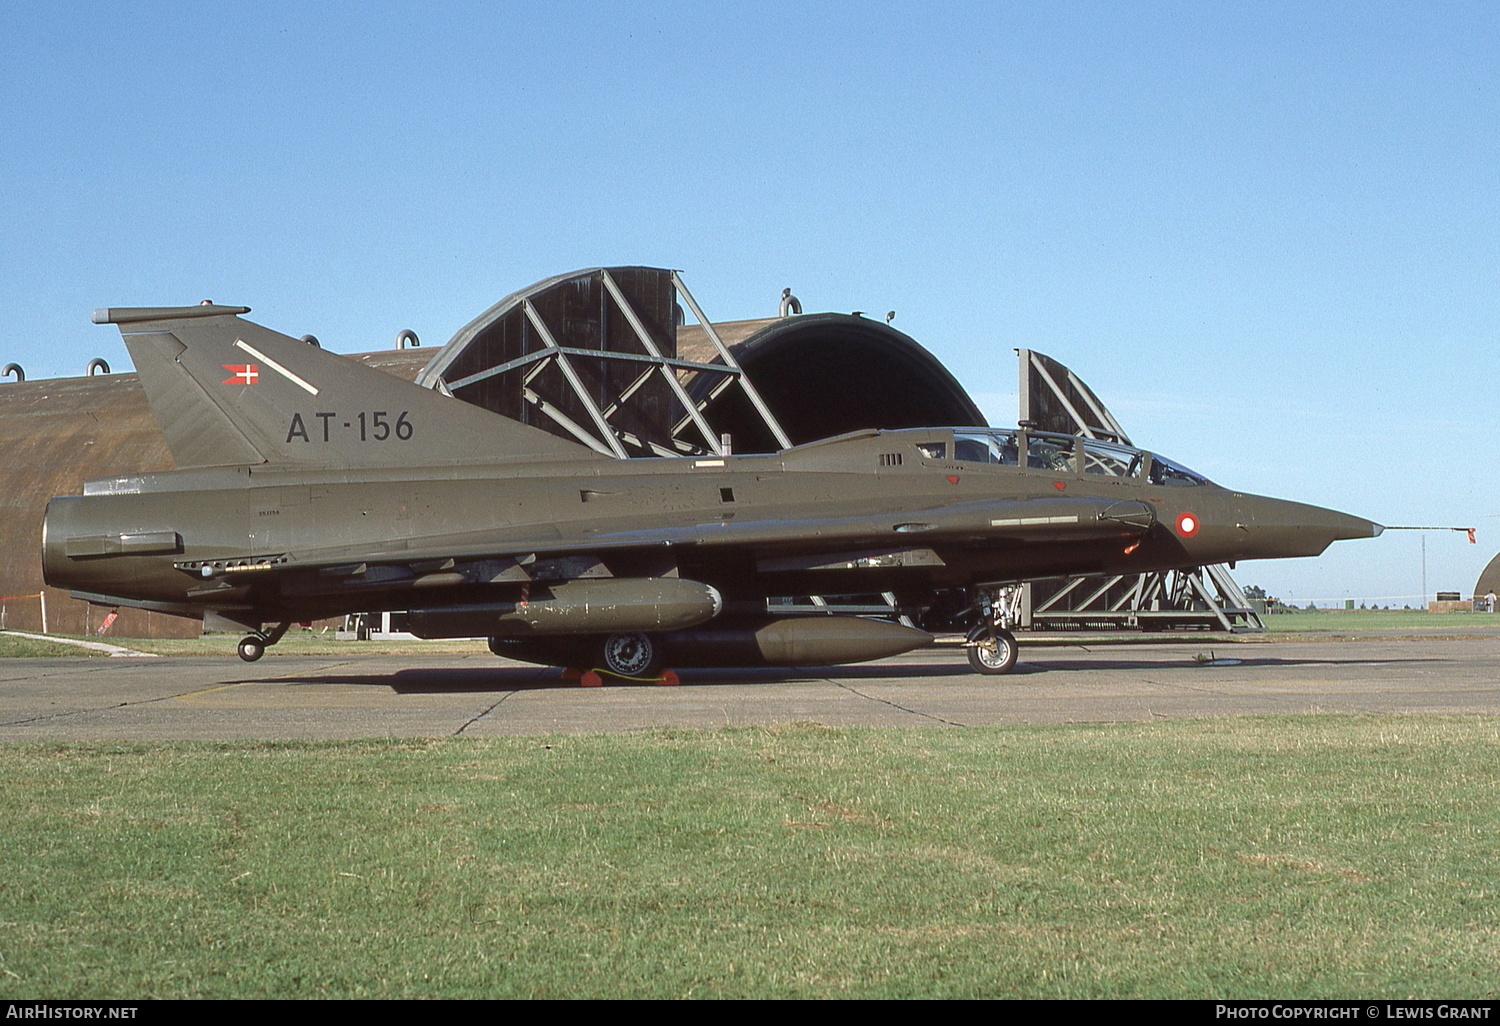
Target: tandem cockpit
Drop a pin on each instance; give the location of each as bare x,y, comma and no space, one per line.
1059,453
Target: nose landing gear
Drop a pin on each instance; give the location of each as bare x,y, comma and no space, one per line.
992,650
991,646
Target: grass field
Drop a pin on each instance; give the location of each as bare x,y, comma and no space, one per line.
300,644
224,645
1377,619
12,647
1309,856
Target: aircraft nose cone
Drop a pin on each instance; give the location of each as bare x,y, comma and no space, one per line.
1356,527
1276,528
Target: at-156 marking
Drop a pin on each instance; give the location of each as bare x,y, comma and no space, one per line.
374,426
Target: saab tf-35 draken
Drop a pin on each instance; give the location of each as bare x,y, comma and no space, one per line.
313,486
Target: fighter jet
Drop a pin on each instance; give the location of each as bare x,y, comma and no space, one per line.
312,486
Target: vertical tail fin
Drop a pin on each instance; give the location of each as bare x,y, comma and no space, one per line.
228,391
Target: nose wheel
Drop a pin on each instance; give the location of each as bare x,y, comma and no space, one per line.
253,646
991,650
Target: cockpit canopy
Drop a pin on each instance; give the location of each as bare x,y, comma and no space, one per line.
1045,450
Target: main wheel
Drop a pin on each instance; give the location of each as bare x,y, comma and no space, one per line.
992,651
252,649
630,655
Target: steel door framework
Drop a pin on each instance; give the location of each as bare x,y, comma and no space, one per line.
1052,397
573,368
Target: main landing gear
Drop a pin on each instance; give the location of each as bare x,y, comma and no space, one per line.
633,656
630,655
253,646
991,646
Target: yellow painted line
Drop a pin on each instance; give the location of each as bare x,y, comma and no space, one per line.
189,696
193,695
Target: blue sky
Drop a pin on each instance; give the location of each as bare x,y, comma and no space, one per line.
1268,235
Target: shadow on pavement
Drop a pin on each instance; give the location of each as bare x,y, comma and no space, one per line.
511,678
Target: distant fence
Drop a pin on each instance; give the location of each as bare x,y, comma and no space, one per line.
6,600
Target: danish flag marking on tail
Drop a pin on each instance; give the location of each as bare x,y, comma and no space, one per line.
241,374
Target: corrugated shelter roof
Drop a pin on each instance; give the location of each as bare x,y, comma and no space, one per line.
826,374
1489,579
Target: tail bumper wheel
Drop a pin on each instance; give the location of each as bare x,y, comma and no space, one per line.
253,646
992,651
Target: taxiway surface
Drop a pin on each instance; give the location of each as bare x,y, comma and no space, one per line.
431,696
